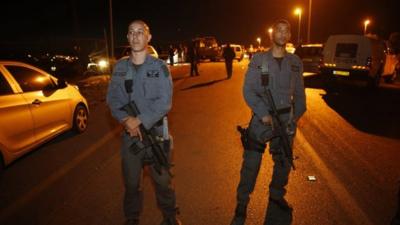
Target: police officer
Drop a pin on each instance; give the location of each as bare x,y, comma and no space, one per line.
193,55
228,55
286,85
150,87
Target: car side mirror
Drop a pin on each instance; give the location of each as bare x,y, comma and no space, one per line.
61,84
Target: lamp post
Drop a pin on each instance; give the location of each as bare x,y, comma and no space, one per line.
111,29
309,21
259,42
366,23
297,11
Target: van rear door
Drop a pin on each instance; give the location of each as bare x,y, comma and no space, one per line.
346,55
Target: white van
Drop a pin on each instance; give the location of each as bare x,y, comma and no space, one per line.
239,53
238,49
353,57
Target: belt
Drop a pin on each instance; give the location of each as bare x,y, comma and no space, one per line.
284,110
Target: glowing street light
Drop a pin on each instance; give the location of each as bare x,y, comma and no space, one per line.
366,23
298,12
270,30
259,42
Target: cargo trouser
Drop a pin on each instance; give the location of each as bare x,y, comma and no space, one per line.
251,166
132,169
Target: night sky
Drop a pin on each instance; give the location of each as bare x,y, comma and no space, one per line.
176,20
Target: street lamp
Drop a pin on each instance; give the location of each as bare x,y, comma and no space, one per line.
270,33
366,23
297,11
111,29
259,42
309,21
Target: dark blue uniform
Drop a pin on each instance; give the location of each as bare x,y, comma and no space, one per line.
152,93
287,87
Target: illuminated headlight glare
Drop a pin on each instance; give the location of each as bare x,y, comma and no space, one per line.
103,63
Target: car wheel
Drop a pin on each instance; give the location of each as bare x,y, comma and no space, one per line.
80,119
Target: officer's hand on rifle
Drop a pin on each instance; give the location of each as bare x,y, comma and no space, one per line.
132,126
136,133
267,120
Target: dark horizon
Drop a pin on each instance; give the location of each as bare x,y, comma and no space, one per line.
177,20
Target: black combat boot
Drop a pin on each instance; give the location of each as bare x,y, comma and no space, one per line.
240,215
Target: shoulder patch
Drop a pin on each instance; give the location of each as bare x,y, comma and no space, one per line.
153,73
165,70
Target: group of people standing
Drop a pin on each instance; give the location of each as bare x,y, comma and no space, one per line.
144,84
186,54
191,55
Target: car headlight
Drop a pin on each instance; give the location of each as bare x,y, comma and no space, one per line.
103,64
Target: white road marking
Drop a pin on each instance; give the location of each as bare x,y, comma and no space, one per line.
35,191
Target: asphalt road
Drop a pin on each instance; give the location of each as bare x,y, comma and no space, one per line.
349,139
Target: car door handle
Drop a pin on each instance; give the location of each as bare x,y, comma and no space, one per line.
36,102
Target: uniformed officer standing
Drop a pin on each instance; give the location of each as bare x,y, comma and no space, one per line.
228,55
146,81
286,85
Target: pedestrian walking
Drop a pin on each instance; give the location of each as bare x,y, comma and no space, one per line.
193,56
228,55
171,53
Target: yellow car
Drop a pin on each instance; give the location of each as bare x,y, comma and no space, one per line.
35,107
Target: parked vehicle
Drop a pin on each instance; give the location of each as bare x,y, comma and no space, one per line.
311,55
353,57
208,48
238,49
35,107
